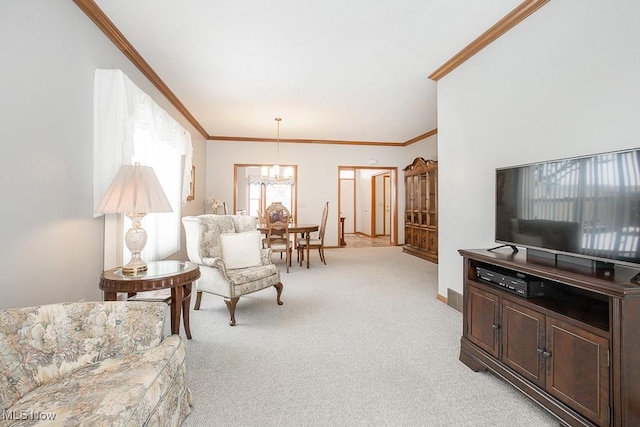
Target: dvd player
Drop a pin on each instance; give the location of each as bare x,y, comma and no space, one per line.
517,283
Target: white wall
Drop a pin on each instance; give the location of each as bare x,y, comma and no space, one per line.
52,247
317,172
564,82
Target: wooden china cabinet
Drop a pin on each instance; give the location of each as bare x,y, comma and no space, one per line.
421,209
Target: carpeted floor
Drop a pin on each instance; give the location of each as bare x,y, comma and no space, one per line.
362,341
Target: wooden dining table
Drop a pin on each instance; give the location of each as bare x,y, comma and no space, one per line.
304,230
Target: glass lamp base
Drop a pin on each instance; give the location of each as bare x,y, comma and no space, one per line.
134,269
135,239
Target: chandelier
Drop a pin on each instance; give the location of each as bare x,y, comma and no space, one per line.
274,173
276,167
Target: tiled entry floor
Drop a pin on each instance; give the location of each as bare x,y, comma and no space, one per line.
360,241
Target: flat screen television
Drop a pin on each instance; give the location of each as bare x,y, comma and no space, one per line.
586,207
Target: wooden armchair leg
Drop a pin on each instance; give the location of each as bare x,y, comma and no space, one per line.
198,300
231,306
278,287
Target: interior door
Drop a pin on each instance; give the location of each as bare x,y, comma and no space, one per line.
381,185
379,204
387,205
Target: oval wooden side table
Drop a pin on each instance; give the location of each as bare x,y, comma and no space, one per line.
175,275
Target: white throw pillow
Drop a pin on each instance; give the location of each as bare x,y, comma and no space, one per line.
241,250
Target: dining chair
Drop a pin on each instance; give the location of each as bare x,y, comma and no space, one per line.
278,238
262,219
279,241
277,212
313,242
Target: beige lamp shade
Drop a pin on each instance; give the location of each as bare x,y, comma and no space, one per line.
135,191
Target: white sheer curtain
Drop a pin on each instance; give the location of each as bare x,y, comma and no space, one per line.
130,127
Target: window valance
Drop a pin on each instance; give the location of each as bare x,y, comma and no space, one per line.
122,109
269,180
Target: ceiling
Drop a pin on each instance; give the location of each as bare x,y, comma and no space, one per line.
333,70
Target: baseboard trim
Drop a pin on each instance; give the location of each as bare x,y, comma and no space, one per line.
442,298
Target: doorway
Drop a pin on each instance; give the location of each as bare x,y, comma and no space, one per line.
367,200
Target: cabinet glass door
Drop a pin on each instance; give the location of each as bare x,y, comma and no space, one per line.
408,196
432,207
415,202
422,206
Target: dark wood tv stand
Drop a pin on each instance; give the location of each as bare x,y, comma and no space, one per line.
575,350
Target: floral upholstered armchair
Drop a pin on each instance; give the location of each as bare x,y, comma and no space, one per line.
232,262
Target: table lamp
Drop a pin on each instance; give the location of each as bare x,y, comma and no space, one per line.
135,191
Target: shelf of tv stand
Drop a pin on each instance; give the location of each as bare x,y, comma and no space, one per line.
518,262
602,309
590,311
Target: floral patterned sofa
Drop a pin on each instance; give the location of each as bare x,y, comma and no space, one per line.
91,363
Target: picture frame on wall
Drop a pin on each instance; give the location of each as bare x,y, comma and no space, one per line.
192,185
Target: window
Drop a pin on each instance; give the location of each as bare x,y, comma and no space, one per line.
130,127
257,188
347,174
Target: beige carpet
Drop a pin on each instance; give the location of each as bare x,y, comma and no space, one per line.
362,341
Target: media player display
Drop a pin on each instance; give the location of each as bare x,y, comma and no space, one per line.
587,206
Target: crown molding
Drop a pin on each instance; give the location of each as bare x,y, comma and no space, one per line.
324,141
301,141
421,137
512,19
102,21
91,9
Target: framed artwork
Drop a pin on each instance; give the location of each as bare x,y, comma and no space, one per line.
192,185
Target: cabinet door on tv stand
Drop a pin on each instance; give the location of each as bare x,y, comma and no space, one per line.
483,311
523,341
577,369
